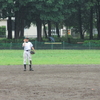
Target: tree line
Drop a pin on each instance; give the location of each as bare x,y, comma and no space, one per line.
82,15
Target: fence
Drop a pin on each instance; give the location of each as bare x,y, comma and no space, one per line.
52,45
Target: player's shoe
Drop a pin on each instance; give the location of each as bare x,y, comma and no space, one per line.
31,69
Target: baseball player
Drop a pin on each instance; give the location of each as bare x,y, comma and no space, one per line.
28,46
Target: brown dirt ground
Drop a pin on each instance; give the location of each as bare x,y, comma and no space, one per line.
50,82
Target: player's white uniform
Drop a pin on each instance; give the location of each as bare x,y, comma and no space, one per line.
26,54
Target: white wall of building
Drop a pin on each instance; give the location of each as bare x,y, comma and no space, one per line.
31,32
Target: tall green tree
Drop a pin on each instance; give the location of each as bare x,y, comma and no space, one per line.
79,15
7,11
44,11
20,10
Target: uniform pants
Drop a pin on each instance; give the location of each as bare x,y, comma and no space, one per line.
27,57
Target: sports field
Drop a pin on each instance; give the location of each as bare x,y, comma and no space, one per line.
51,57
57,75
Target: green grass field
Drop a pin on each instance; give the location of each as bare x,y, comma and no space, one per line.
50,57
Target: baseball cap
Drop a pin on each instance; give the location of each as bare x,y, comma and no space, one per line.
26,38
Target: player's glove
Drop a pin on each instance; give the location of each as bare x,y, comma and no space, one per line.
32,52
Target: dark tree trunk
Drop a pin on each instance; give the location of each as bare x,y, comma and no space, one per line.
57,29
91,23
39,27
45,30
80,22
98,24
17,24
9,28
49,28
98,18
22,29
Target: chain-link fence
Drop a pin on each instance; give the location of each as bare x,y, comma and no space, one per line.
52,45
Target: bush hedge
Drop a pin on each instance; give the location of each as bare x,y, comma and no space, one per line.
13,40
92,43
2,31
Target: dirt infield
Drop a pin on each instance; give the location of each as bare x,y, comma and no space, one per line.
50,82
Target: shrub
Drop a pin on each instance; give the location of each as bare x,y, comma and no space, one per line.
13,40
94,43
2,31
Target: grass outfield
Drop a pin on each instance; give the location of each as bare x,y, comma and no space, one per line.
15,57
